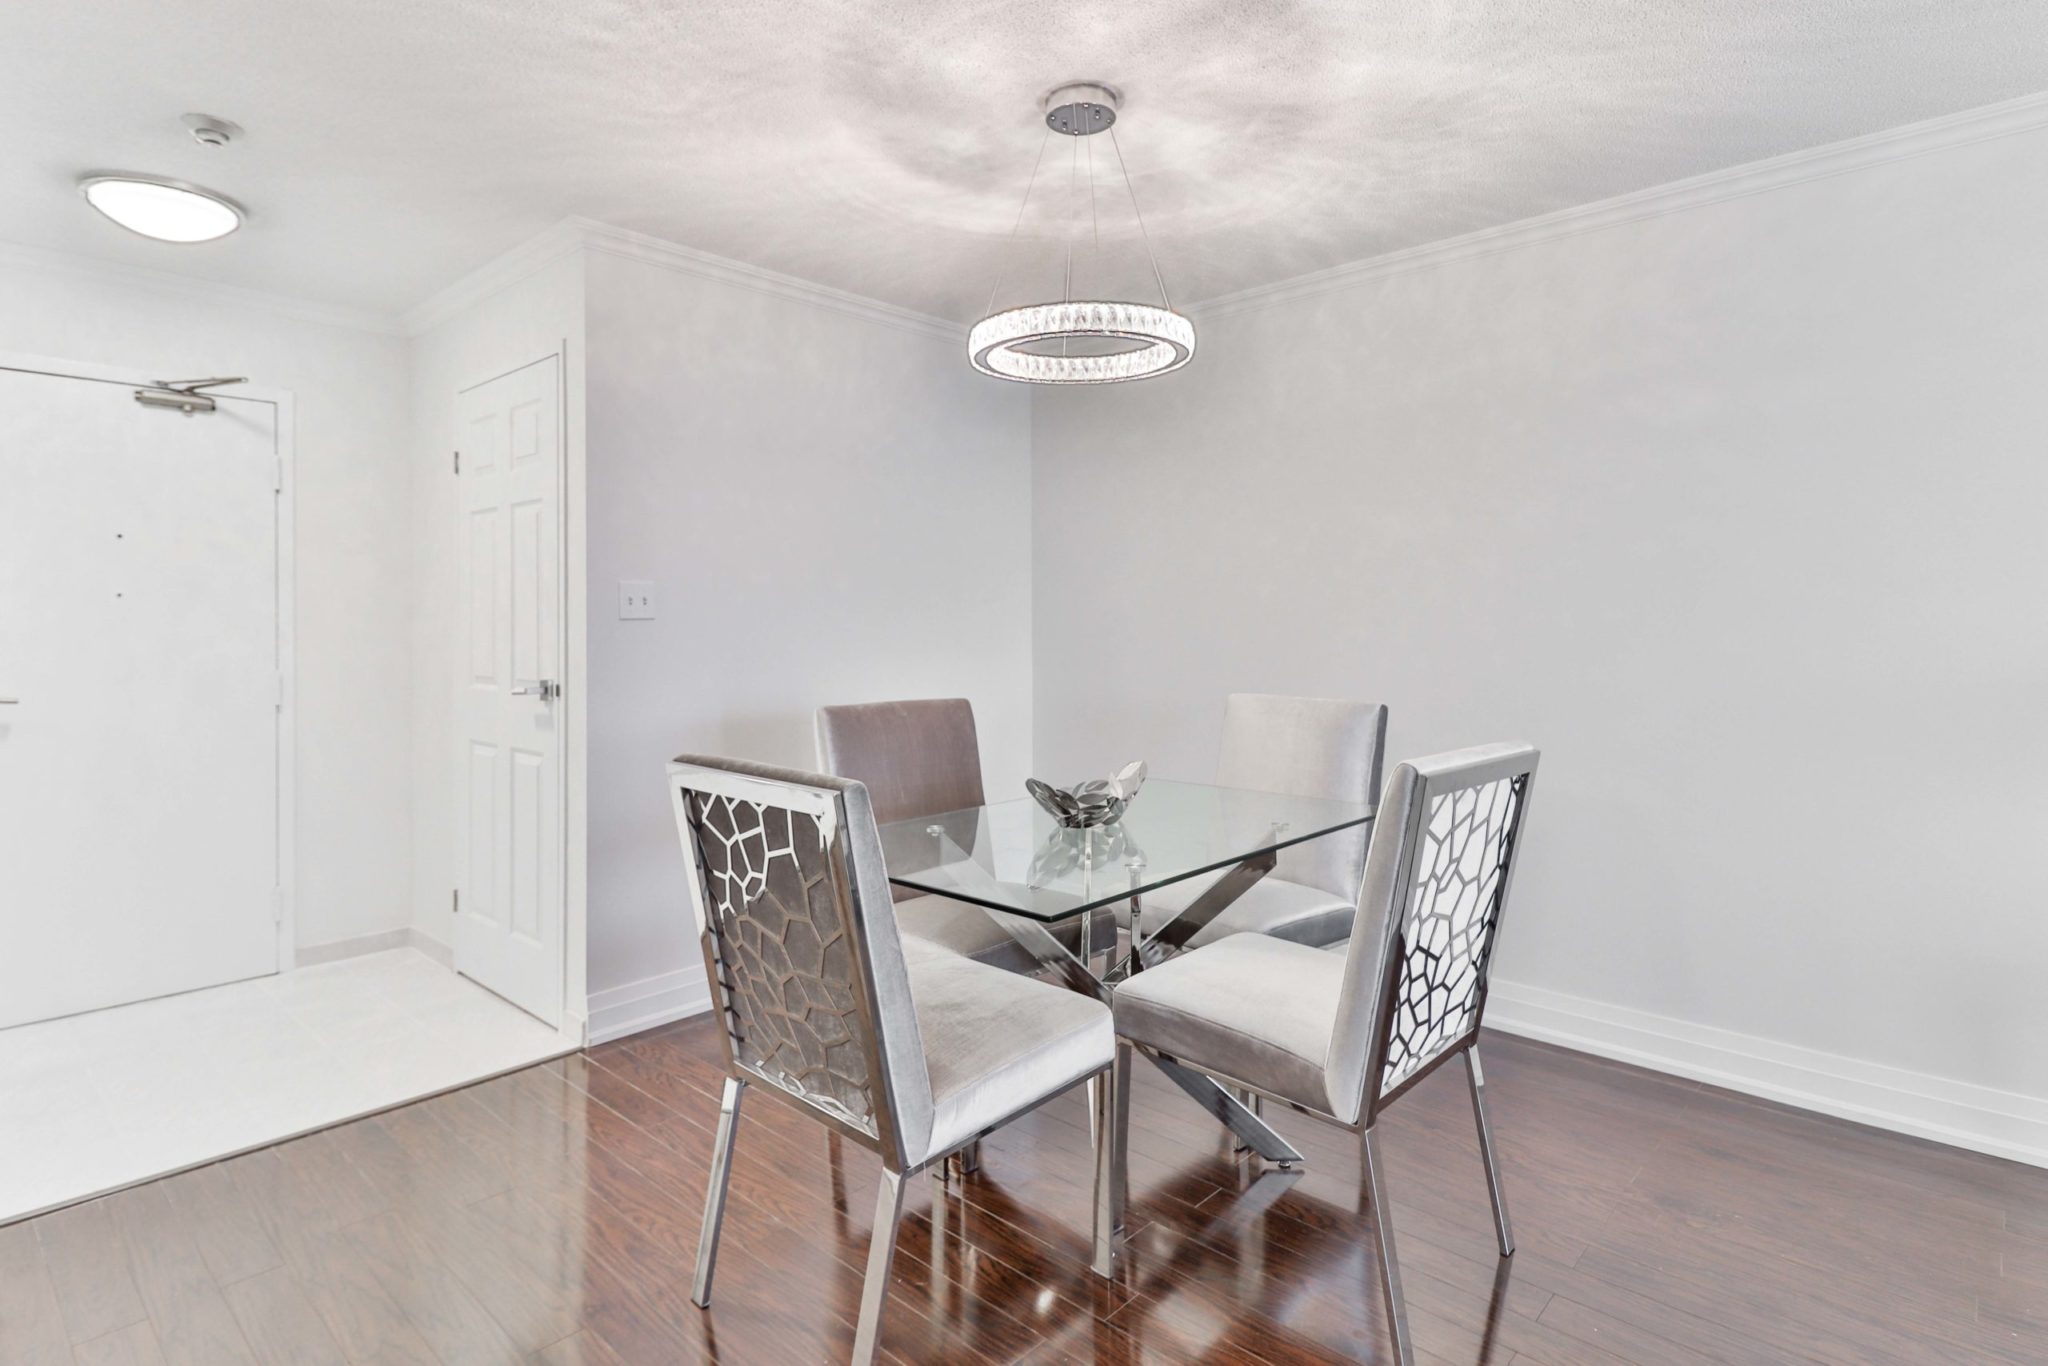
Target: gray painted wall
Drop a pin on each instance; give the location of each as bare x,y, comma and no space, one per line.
833,508
1739,512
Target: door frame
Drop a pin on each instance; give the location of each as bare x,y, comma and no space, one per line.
569,1009
284,436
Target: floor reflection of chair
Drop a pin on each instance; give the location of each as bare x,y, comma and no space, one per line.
1270,1270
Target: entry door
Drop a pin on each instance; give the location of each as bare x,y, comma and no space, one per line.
139,695
510,817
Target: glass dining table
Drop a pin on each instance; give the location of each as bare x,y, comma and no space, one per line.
1029,875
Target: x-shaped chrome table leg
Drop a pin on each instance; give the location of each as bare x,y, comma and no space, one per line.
1252,1131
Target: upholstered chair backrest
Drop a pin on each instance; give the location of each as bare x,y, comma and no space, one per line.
1443,853
800,946
918,758
1308,747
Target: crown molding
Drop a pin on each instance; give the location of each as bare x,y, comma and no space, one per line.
2024,115
193,287
584,234
498,273
655,251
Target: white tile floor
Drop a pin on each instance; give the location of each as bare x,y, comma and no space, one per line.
98,1101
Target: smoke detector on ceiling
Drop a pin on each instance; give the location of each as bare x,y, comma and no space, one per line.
209,131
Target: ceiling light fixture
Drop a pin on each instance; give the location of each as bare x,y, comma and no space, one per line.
1082,341
165,210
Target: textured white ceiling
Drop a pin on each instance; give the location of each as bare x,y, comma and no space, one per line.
883,147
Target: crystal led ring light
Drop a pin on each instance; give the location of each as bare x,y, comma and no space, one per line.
1083,341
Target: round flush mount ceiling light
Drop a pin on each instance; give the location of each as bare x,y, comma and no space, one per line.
1082,341
165,210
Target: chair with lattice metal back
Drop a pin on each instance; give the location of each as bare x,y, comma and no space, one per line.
901,1048
1341,1032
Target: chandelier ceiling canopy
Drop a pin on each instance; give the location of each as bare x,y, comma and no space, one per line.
1082,341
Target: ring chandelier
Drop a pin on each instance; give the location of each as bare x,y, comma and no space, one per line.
1117,340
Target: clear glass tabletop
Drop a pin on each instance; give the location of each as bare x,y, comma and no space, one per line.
1011,856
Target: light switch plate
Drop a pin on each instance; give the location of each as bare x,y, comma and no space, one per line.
636,599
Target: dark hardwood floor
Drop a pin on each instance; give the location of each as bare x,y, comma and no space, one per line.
551,1217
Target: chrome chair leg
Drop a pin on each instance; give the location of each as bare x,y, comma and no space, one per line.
1501,1227
969,1158
1093,1091
714,1199
1390,1269
874,1289
1112,1160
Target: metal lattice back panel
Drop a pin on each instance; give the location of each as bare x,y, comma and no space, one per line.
1452,912
782,943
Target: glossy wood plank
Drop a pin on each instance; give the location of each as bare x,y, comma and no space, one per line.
586,1348
32,1331
222,1224
460,1331
328,1269
280,1323
194,1326
550,1217
88,1270
135,1345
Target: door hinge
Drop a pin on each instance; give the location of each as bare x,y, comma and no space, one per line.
277,475
455,901
277,692
458,462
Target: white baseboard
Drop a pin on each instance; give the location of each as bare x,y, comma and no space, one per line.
310,955
619,1011
1961,1114
405,937
433,948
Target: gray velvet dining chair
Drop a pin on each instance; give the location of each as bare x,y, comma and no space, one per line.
922,758
1305,747
1341,1032
901,1048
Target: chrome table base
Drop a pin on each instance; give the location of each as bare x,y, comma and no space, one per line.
1080,972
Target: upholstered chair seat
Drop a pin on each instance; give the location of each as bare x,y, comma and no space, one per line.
1249,1007
991,1036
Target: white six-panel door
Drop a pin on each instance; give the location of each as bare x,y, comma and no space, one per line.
140,688
509,814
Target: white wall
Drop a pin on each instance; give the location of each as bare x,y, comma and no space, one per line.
472,334
834,508
349,383
1740,511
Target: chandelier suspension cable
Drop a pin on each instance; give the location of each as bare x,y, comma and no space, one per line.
1010,243
1094,219
1073,213
1164,298
1089,339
